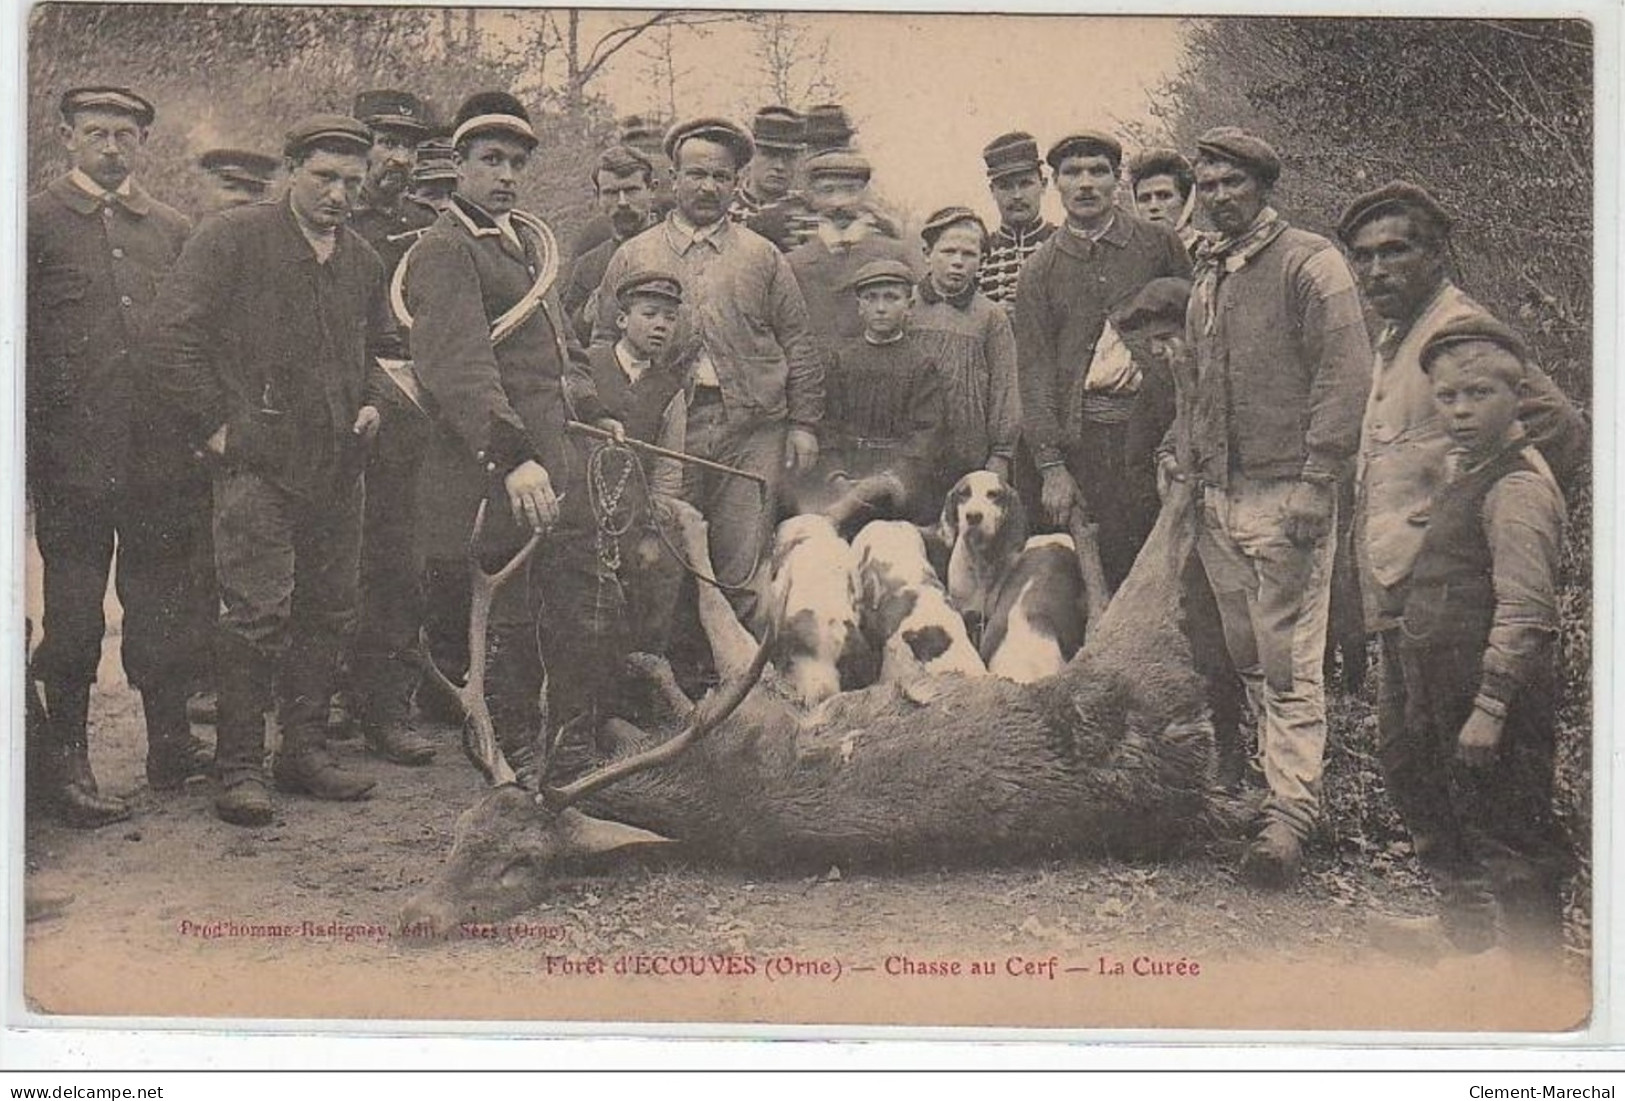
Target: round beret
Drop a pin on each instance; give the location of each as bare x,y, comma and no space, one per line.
492,112
721,131
1085,143
337,129
1233,144
876,272
838,162
939,221
1393,197
107,98
1472,328
1161,299
657,284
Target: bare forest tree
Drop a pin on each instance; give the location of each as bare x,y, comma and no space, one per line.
796,66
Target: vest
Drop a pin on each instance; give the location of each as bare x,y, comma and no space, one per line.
639,407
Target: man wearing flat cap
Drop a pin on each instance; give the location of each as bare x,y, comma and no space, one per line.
622,183
265,340
1015,176
381,667
493,351
755,378
103,466
1397,237
1079,384
1282,368
236,177
848,236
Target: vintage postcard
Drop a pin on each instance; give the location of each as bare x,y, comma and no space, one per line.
675,517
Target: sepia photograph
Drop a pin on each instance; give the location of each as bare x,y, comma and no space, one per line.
678,518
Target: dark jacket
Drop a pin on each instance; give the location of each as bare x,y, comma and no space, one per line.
1066,291
825,278
252,332
92,279
496,406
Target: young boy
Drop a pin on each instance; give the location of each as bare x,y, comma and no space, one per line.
648,398
884,405
1478,644
971,341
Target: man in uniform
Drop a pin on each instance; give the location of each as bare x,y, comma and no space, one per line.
1282,369
434,175
1016,178
756,377
491,347
265,339
383,666
1079,385
235,177
102,465
623,183
1397,237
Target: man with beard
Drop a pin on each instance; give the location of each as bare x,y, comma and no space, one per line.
234,177
847,237
383,665
1016,179
1079,384
104,468
756,378
623,183
1282,369
644,137
265,340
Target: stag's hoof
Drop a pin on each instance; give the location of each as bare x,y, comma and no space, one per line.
1273,859
244,803
401,745
313,772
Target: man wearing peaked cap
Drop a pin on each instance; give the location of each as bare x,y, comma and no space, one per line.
103,465
1283,367
623,184
1079,383
434,175
284,400
378,673
1397,238
780,136
757,383
236,176
971,341
1015,176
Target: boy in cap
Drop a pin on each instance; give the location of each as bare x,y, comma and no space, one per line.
1161,181
1478,646
646,393
1283,367
266,337
235,177
1015,176
622,184
848,236
884,407
1079,384
492,349
973,346
757,381
104,467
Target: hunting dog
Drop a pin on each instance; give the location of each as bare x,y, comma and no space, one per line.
813,591
904,610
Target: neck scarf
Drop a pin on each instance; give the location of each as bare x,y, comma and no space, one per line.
1217,257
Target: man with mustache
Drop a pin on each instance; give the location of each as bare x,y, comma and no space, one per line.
1079,383
1282,366
1016,178
377,678
103,467
265,340
623,182
755,378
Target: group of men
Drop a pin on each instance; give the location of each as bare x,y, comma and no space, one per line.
292,414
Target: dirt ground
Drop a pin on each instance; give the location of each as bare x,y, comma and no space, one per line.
179,914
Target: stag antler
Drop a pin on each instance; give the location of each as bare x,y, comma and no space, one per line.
479,732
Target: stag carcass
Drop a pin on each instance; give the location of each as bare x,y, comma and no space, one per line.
1114,754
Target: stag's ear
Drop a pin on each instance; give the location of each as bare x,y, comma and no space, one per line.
584,835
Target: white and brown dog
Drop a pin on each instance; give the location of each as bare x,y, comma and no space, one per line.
1023,599
813,594
904,609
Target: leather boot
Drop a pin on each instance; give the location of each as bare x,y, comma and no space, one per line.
386,704
76,799
174,754
303,766
244,691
